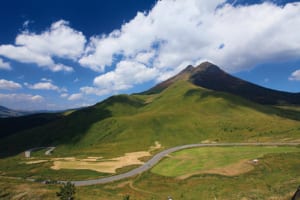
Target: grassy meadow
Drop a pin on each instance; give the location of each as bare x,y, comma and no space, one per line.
275,176
181,114
214,160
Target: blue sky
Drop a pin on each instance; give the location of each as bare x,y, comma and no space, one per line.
62,54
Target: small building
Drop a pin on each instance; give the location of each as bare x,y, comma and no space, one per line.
27,154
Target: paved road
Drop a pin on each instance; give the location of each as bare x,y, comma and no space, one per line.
48,152
155,159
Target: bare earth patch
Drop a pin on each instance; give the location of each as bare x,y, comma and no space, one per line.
156,146
105,166
208,142
36,162
235,169
65,159
92,159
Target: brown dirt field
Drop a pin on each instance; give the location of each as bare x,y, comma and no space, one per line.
105,166
92,159
235,169
65,159
36,162
101,165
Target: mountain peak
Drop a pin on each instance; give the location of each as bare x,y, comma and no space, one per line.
187,74
188,69
210,76
206,67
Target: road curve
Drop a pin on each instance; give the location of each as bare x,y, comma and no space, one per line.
48,152
155,159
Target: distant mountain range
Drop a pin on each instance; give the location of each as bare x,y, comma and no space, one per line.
201,103
6,112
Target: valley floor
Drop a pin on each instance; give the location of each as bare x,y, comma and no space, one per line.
276,175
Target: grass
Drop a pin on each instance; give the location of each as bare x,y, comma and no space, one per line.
202,159
16,167
181,114
20,189
276,176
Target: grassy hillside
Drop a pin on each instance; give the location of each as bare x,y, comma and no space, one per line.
227,161
275,177
181,114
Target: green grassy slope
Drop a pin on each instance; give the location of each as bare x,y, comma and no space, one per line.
193,160
181,114
276,176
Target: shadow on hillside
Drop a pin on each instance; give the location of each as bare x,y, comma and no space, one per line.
66,130
13,125
236,100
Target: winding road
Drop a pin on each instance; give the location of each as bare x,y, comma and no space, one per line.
48,152
155,159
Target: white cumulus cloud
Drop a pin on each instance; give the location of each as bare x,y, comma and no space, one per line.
46,80
75,97
64,95
127,74
60,40
22,101
295,76
95,90
4,65
175,33
45,86
9,85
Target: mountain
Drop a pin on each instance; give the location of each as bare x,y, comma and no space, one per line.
210,76
6,112
177,111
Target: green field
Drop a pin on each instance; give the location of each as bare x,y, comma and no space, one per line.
202,159
275,177
181,114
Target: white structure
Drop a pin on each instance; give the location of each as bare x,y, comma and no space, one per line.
27,154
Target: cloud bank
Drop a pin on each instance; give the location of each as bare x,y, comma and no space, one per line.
60,41
157,44
295,76
4,65
9,85
176,33
21,101
45,86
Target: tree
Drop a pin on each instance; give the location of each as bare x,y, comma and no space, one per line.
126,197
67,191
